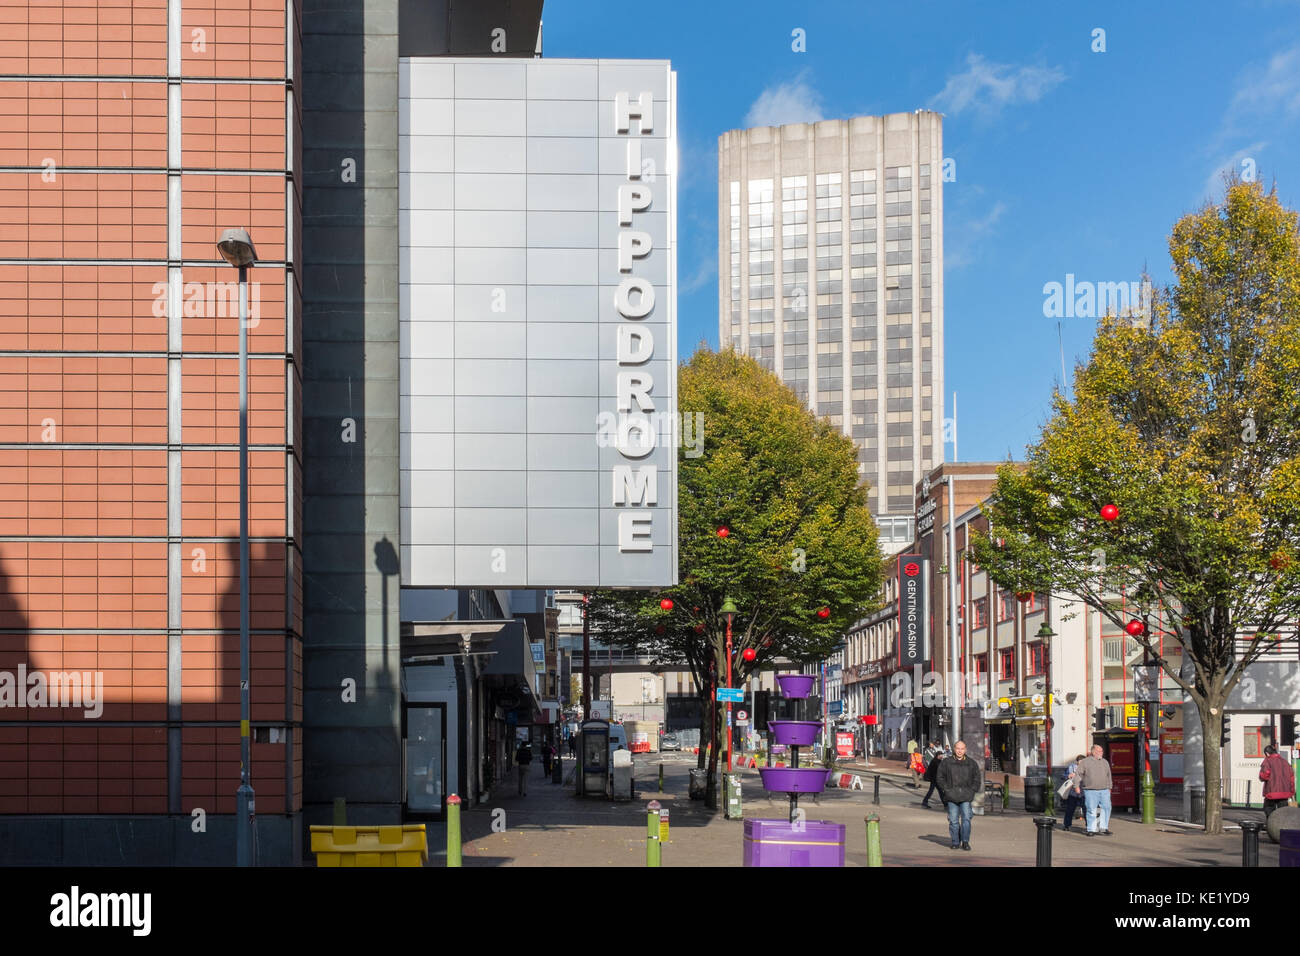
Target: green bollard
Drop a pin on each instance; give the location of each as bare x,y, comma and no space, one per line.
873,841
661,777
1006,791
340,811
652,848
453,830
1148,797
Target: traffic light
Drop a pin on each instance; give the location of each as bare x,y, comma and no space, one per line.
761,705
1099,719
1225,725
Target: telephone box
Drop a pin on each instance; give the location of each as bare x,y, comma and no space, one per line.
594,756
1123,748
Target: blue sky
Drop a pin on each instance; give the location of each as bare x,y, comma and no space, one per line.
1067,160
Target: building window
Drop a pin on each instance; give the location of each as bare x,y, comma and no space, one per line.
980,613
1037,602
1006,605
981,662
1007,659
1256,739
1036,657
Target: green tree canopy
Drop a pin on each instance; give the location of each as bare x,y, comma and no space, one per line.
1190,426
784,484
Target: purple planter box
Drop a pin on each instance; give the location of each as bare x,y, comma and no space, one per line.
778,843
793,779
1289,854
795,685
796,733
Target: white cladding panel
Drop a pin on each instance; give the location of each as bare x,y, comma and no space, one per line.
519,468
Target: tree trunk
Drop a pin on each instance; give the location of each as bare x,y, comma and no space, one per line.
1211,740
702,756
711,790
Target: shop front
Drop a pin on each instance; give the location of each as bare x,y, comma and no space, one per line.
466,685
1017,733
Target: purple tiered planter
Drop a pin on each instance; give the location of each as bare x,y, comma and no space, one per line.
780,843
793,779
795,685
797,733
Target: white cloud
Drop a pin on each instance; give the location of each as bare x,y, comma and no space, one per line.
792,102
1271,89
1264,94
966,236
987,87
706,272
1232,164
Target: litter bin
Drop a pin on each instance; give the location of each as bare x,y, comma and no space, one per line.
1198,806
731,787
699,784
1035,794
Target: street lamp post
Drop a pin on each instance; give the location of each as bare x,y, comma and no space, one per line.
236,247
1045,634
729,612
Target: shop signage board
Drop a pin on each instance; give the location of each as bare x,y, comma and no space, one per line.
913,613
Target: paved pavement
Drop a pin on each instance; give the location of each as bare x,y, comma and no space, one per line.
553,827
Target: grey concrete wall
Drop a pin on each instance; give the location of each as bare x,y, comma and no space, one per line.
141,840
350,331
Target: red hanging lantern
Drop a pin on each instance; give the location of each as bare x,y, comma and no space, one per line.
699,628
723,531
1023,596
1278,560
824,613
1135,627
749,653
666,604
1109,512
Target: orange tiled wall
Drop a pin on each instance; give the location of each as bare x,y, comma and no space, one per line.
84,401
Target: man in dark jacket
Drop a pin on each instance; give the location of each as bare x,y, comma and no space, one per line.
935,756
959,778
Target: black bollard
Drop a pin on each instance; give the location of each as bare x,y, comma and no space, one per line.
875,791
1044,825
1250,843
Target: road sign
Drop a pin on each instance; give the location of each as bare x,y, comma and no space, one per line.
742,715
734,695
742,723
663,826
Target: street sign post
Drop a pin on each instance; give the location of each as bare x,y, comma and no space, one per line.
734,695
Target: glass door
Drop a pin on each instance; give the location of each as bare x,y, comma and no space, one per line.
426,750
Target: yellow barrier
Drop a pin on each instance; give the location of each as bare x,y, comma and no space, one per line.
405,845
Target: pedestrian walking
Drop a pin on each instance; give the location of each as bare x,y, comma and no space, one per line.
916,763
959,778
523,757
1095,782
548,754
1279,781
931,774
573,745
1073,795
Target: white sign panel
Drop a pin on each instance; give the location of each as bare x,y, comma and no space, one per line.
538,365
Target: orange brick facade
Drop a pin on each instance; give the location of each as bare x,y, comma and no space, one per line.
121,160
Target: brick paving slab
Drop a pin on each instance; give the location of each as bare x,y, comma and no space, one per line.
553,827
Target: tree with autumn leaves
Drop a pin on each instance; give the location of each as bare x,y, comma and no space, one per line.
772,515
1168,487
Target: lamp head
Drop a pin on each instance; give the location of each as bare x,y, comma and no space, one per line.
236,247
1045,631
728,608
